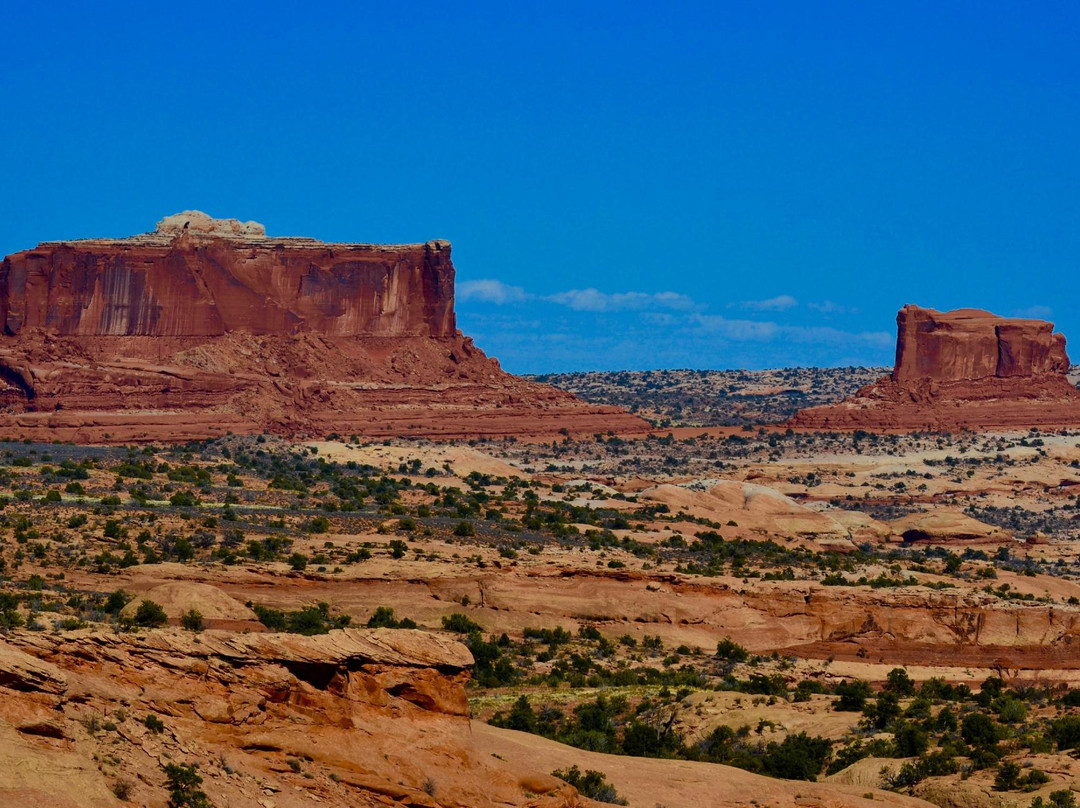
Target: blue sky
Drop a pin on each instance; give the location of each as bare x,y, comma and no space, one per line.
627,185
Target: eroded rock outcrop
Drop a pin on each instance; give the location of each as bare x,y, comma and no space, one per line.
207,325
353,718
962,369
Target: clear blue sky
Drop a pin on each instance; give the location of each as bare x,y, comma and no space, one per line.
627,185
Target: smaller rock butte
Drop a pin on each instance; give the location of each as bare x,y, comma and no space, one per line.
962,369
207,326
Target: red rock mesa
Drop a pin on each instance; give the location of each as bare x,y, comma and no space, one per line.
962,369
208,325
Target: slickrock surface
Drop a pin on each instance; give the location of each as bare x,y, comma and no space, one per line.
353,718
207,325
962,369
648,781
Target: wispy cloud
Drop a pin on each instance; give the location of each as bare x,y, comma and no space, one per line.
491,291
1038,312
766,331
738,330
828,307
597,301
778,303
497,293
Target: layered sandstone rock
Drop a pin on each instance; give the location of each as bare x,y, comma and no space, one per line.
352,718
963,369
206,326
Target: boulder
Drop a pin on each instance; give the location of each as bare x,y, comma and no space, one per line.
945,526
179,597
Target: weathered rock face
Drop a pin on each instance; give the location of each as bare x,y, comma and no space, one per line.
376,717
208,325
970,345
209,282
963,369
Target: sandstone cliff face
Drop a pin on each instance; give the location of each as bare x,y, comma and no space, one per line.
207,325
963,369
969,345
366,717
202,286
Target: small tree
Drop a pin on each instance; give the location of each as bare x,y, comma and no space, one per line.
183,783
729,650
150,615
192,620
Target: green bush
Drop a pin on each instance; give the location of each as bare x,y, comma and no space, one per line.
384,618
591,784
853,696
730,651
460,623
183,784
192,620
150,615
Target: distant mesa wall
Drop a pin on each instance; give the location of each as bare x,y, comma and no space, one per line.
962,369
209,325
215,279
970,344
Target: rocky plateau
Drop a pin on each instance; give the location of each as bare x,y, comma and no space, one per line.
207,326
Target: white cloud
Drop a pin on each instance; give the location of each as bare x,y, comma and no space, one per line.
778,303
739,330
833,336
491,291
1037,312
597,301
828,307
766,331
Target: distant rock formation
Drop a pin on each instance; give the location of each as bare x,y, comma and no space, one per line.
208,325
962,369
969,345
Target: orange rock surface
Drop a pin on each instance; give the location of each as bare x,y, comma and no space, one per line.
353,718
206,326
963,369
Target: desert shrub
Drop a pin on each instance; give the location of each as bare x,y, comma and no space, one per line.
183,784
980,730
150,615
591,784
384,618
192,620
853,696
308,621
731,651
183,499
460,623
798,757
911,740
1066,731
